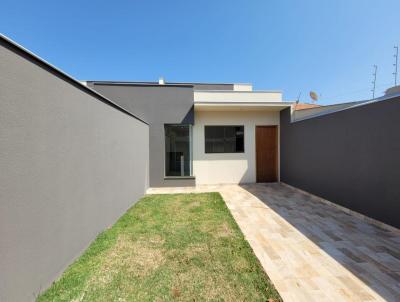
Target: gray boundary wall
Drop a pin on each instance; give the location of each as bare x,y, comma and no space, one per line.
350,157
71,164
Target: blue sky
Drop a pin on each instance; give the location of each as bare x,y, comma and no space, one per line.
293,46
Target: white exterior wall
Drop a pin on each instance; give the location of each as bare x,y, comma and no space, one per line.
237,96
216,168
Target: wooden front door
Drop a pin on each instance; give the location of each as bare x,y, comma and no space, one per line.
267,153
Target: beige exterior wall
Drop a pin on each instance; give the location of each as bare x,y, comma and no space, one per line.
228,167
237,96
242,87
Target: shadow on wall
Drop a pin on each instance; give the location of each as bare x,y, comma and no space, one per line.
189,116
350,157
370,253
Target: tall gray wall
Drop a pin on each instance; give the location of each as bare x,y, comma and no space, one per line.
70,165
157,105
350,157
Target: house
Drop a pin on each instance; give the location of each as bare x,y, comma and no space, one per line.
204,133
75,155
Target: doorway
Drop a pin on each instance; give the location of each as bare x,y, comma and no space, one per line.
266,153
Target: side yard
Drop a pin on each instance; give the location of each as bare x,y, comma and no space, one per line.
178,247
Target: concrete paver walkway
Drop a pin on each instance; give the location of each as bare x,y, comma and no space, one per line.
312,251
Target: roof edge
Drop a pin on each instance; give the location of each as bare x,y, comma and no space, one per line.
168,83
139,84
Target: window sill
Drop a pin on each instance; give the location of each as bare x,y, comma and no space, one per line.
178,177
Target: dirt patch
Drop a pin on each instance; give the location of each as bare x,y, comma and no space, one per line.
193,204
140,257
224,230
217,286
241,265
196,250
221,231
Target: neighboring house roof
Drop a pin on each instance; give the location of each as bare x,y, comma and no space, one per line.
302,106
319,109
300,115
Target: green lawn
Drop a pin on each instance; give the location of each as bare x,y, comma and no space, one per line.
182,247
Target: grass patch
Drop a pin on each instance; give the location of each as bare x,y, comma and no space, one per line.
180,247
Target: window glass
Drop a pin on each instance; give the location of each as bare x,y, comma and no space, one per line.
224,139
178,142
239,133
214,139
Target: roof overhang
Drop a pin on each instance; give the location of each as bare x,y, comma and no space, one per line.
241,106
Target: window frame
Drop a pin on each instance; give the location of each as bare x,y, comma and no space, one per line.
223,152
190,176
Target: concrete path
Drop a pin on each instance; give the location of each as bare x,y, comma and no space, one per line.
310,250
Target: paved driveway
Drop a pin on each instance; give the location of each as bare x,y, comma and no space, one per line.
310,250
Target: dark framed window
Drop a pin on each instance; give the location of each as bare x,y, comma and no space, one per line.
178,150
224,139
